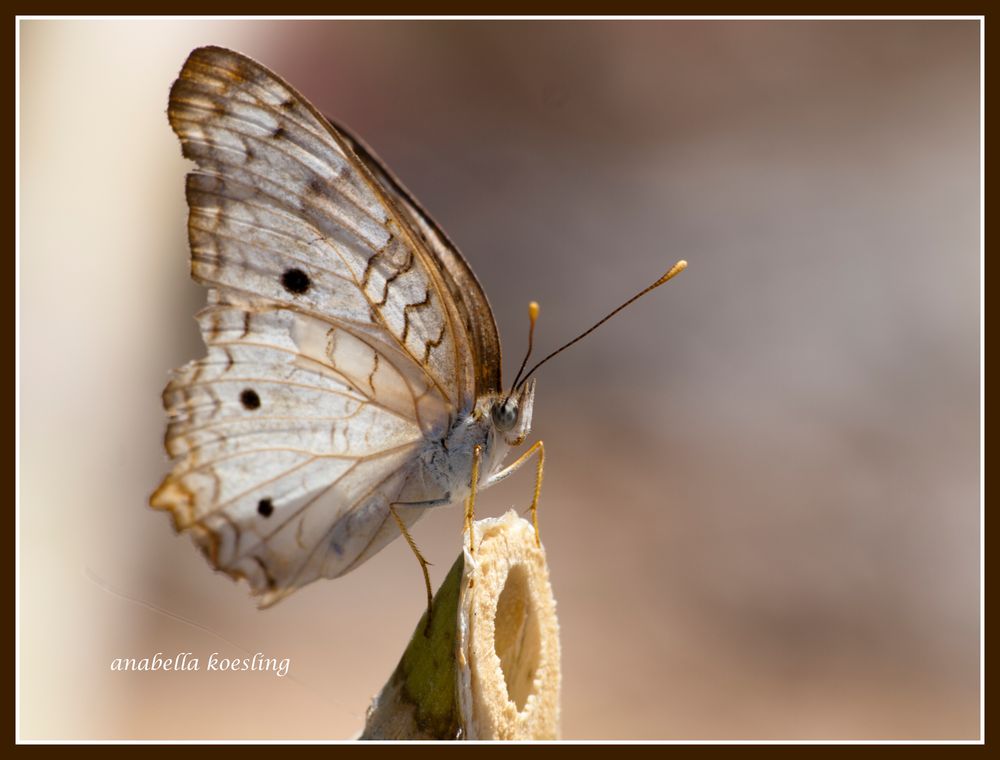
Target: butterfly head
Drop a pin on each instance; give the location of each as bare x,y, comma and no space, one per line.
511,413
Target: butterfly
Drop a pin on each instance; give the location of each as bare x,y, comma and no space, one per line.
353,371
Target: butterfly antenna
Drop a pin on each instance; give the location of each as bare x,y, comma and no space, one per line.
533,316
675,270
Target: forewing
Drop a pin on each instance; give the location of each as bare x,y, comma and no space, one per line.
334,351
282,210
468,294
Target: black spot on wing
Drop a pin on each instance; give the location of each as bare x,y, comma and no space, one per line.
295,281
250,399
265,507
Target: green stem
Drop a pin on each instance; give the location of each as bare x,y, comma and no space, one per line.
420,700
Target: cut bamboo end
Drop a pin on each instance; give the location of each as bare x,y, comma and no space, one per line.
508,635
489,665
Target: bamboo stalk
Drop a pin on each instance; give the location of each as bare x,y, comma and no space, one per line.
488,666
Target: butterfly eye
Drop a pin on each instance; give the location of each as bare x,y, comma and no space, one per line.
505,415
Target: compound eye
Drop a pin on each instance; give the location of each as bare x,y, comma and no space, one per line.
505,415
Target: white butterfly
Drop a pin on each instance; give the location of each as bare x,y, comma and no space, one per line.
353,375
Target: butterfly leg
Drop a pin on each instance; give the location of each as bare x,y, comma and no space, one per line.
470,505
539,448
420,558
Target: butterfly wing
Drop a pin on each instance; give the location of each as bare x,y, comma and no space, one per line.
462,283
335,348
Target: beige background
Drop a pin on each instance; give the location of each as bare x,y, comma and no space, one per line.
761,504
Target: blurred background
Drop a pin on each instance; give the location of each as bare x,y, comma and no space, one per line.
762,493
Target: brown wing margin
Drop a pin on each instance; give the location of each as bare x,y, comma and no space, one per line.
455,270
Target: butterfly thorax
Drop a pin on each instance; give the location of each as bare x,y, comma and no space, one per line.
447,462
